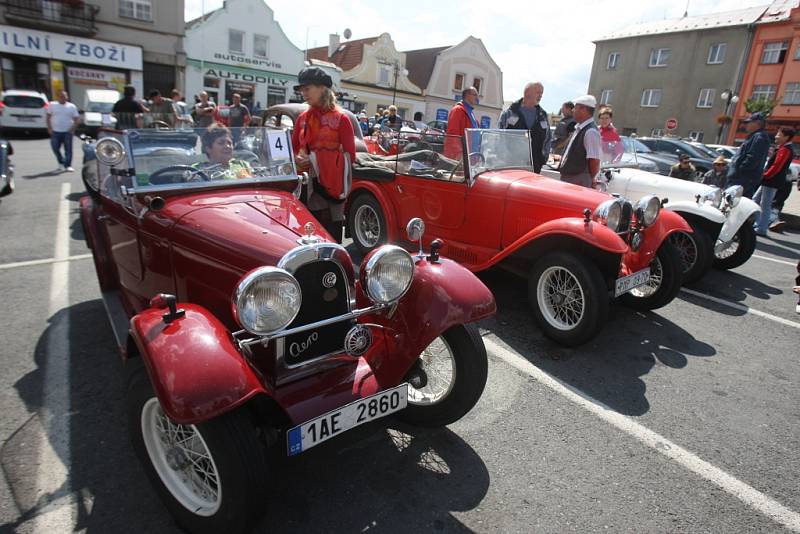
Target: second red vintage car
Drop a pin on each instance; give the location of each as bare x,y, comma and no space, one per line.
577,247
244,329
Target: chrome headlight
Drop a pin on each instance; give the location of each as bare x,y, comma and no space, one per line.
733,195
647,210
609,213
714,197
266,300
109,151
387,274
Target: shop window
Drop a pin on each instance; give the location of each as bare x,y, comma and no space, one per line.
136,9
211,82
659,57
261,45
275,95
458,82
716,53
236,41
651,98
157,76
774,52
792,95
706,98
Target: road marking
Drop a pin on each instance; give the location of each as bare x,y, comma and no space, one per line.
44,261
742,491
742,307
775,260
52,476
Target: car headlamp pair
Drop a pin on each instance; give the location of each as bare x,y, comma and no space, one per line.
609,213
647,210
268,299
713,197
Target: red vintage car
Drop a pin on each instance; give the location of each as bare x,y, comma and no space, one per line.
576,246
244,328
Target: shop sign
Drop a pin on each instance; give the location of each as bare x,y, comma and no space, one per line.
26,42
486,121
245,77
441,114
244,60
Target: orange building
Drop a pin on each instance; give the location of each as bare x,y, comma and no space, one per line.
773,70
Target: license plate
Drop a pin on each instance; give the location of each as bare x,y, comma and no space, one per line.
26,118
321,429
632,281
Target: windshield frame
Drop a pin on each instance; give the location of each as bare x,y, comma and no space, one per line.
129,163
473,171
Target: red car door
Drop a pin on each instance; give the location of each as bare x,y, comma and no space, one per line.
121,225
440,203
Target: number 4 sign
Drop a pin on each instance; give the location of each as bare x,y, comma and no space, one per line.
278,145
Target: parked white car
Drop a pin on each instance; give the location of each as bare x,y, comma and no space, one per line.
22,110
722,221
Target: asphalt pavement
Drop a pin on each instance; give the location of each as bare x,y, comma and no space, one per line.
686,419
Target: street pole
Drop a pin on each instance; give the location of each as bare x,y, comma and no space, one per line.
394,91
729,98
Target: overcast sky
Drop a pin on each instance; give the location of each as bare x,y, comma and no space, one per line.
546,41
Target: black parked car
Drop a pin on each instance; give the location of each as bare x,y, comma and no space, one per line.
6,169
648,160
675,147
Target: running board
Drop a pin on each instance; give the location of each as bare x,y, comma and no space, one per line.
117,317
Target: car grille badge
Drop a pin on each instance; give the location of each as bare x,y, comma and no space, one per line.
357,340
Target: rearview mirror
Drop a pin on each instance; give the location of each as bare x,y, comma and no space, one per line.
415,229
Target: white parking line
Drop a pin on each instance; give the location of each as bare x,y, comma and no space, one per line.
742,307
52,476
742,491
774,259
44,261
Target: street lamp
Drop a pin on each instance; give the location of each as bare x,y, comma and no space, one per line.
729,98
397,70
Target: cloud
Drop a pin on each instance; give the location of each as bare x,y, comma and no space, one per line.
546,41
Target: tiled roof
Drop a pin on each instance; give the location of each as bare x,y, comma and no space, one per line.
194,22
420,63
739,17
778,11
347,56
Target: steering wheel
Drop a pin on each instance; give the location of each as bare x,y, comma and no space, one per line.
158,124
199,173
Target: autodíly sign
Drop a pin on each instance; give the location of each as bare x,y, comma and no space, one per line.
671,124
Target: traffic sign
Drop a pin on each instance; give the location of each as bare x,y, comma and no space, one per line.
672,124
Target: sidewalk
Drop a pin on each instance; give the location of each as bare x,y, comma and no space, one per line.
791,209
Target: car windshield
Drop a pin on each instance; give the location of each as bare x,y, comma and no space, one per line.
218,156
498,149
634,145
100,107
622,153
707,152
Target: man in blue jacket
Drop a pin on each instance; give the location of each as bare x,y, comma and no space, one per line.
747,166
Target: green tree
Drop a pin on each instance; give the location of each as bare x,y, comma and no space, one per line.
761,104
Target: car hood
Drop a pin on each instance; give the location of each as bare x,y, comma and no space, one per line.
242,230
525,186
634,184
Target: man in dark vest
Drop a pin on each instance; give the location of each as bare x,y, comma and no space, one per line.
527,114
581,162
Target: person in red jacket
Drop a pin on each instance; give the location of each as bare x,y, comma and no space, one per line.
774,177
324,146
611,141
461,117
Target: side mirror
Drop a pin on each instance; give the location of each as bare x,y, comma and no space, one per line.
415,230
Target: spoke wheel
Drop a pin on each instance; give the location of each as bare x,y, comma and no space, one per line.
696,251
656,279
366,223
687,249
455,367
368,226
729,250
439,364
181,458
739,249
666,277
561,298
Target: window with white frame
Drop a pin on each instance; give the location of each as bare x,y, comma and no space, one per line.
236,41
716,53
260,45
605,96
659,57
384,74
458,82
706,98
792,95
696,135
764,92
774,52
613,61
651,98
477,83
657,132
136,9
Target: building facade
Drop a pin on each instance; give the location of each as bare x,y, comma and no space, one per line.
240,48
680,68
443,73
773,71
48,45
374,75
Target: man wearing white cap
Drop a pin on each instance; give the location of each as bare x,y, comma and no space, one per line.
581,162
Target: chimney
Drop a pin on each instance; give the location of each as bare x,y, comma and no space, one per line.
333,44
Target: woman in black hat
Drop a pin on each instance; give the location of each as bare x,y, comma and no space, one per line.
324,145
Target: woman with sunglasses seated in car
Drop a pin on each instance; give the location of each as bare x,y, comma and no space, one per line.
217,145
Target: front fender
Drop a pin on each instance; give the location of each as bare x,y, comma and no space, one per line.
701,210
737,217
592,233
667,223
196,369
442,295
